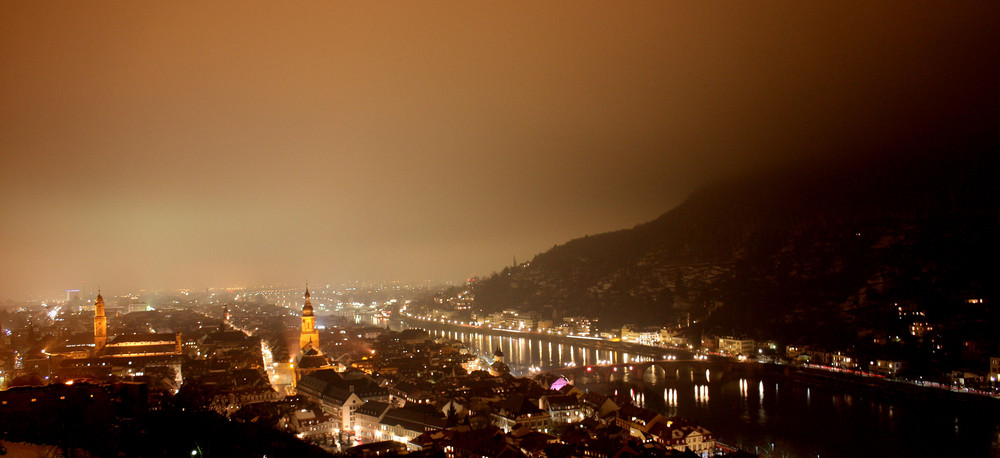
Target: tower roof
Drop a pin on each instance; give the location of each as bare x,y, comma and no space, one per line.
498,352
99,305
307,309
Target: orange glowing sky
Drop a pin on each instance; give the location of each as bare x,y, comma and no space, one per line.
191,144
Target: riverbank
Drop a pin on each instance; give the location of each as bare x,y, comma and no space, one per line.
899,389
819,377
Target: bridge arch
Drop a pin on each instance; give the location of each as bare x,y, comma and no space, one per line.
654,371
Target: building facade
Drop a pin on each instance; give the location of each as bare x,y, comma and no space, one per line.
733,346
100,325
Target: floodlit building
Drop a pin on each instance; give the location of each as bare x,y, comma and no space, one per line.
100,324
379,421
367,418
310,358
673,434
309,337
499,368
340,396
889,368
519,410
843,361
126,355
562,408
734,346
311,423
672,337
994,368
161,344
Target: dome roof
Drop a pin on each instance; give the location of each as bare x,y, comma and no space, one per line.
307,310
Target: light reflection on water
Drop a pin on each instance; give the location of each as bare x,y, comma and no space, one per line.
522,353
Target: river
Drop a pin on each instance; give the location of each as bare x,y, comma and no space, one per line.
761,409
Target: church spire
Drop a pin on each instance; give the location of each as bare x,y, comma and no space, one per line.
309,337
99,304
307,309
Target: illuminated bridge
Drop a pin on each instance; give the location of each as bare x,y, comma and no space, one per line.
699,370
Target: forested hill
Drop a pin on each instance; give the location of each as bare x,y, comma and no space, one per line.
821,251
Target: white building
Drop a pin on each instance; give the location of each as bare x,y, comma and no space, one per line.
562,408
308,423
731,346
887,367
842,361
339,396
644,336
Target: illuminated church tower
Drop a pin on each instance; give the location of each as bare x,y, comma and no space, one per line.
310,336
499,368
225,319
100,324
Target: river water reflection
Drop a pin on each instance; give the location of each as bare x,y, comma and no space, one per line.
764,411
532,351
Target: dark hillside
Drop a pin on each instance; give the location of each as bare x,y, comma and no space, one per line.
818,252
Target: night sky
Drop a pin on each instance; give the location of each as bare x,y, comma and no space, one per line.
193,144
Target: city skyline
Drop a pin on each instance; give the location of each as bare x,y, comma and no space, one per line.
157,145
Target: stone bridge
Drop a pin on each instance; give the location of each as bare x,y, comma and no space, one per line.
696,369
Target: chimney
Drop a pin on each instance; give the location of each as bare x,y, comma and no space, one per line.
352,388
